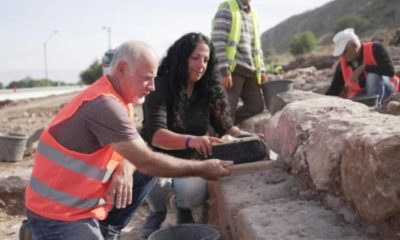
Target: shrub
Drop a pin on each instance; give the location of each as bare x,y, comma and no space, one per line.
29,82
303,42
92,73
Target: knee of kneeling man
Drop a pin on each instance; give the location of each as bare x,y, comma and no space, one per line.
193,190
191,197
192,200
373,76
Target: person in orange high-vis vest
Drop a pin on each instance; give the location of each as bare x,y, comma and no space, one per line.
364,69
70,190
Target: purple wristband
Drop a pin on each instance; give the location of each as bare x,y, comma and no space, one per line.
187,140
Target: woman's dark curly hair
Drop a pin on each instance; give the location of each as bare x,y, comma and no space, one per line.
174,70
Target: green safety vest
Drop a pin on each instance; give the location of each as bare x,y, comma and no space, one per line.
234,37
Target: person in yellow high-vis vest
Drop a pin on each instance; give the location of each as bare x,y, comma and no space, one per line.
235,35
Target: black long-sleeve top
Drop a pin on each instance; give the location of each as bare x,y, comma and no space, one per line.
158,113
384,67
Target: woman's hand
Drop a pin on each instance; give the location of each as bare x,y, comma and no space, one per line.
203,144
237,132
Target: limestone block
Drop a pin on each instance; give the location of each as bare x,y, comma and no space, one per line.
370,168
325,145
391,105
290,128
256,123
343,145
282,99
283,134
324,152
283,219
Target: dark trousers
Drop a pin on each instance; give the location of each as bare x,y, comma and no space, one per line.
117,219
245,86
85,229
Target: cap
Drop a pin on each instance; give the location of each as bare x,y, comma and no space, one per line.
341,39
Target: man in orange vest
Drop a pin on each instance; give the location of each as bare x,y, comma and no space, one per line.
364,69
86,157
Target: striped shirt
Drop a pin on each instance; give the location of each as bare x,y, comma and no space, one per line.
220,35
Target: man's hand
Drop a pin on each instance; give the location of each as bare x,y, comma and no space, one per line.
264,78
356,73
213,169
203,144
120,191
227,81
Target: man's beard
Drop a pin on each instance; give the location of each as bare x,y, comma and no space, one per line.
138,100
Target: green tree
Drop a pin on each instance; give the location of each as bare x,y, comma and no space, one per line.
359,24
91,74
1,85
303,42
29,82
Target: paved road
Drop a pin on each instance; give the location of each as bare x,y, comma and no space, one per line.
51,101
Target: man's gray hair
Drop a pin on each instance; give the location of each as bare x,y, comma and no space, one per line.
129,52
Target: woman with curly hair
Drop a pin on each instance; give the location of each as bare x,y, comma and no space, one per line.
188,98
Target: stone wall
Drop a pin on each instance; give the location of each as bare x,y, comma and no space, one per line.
348,149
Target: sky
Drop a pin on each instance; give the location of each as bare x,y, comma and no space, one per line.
75,32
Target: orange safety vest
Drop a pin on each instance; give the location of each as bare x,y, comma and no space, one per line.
347,71
395,81
67,185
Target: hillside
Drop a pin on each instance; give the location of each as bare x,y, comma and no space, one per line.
382,16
